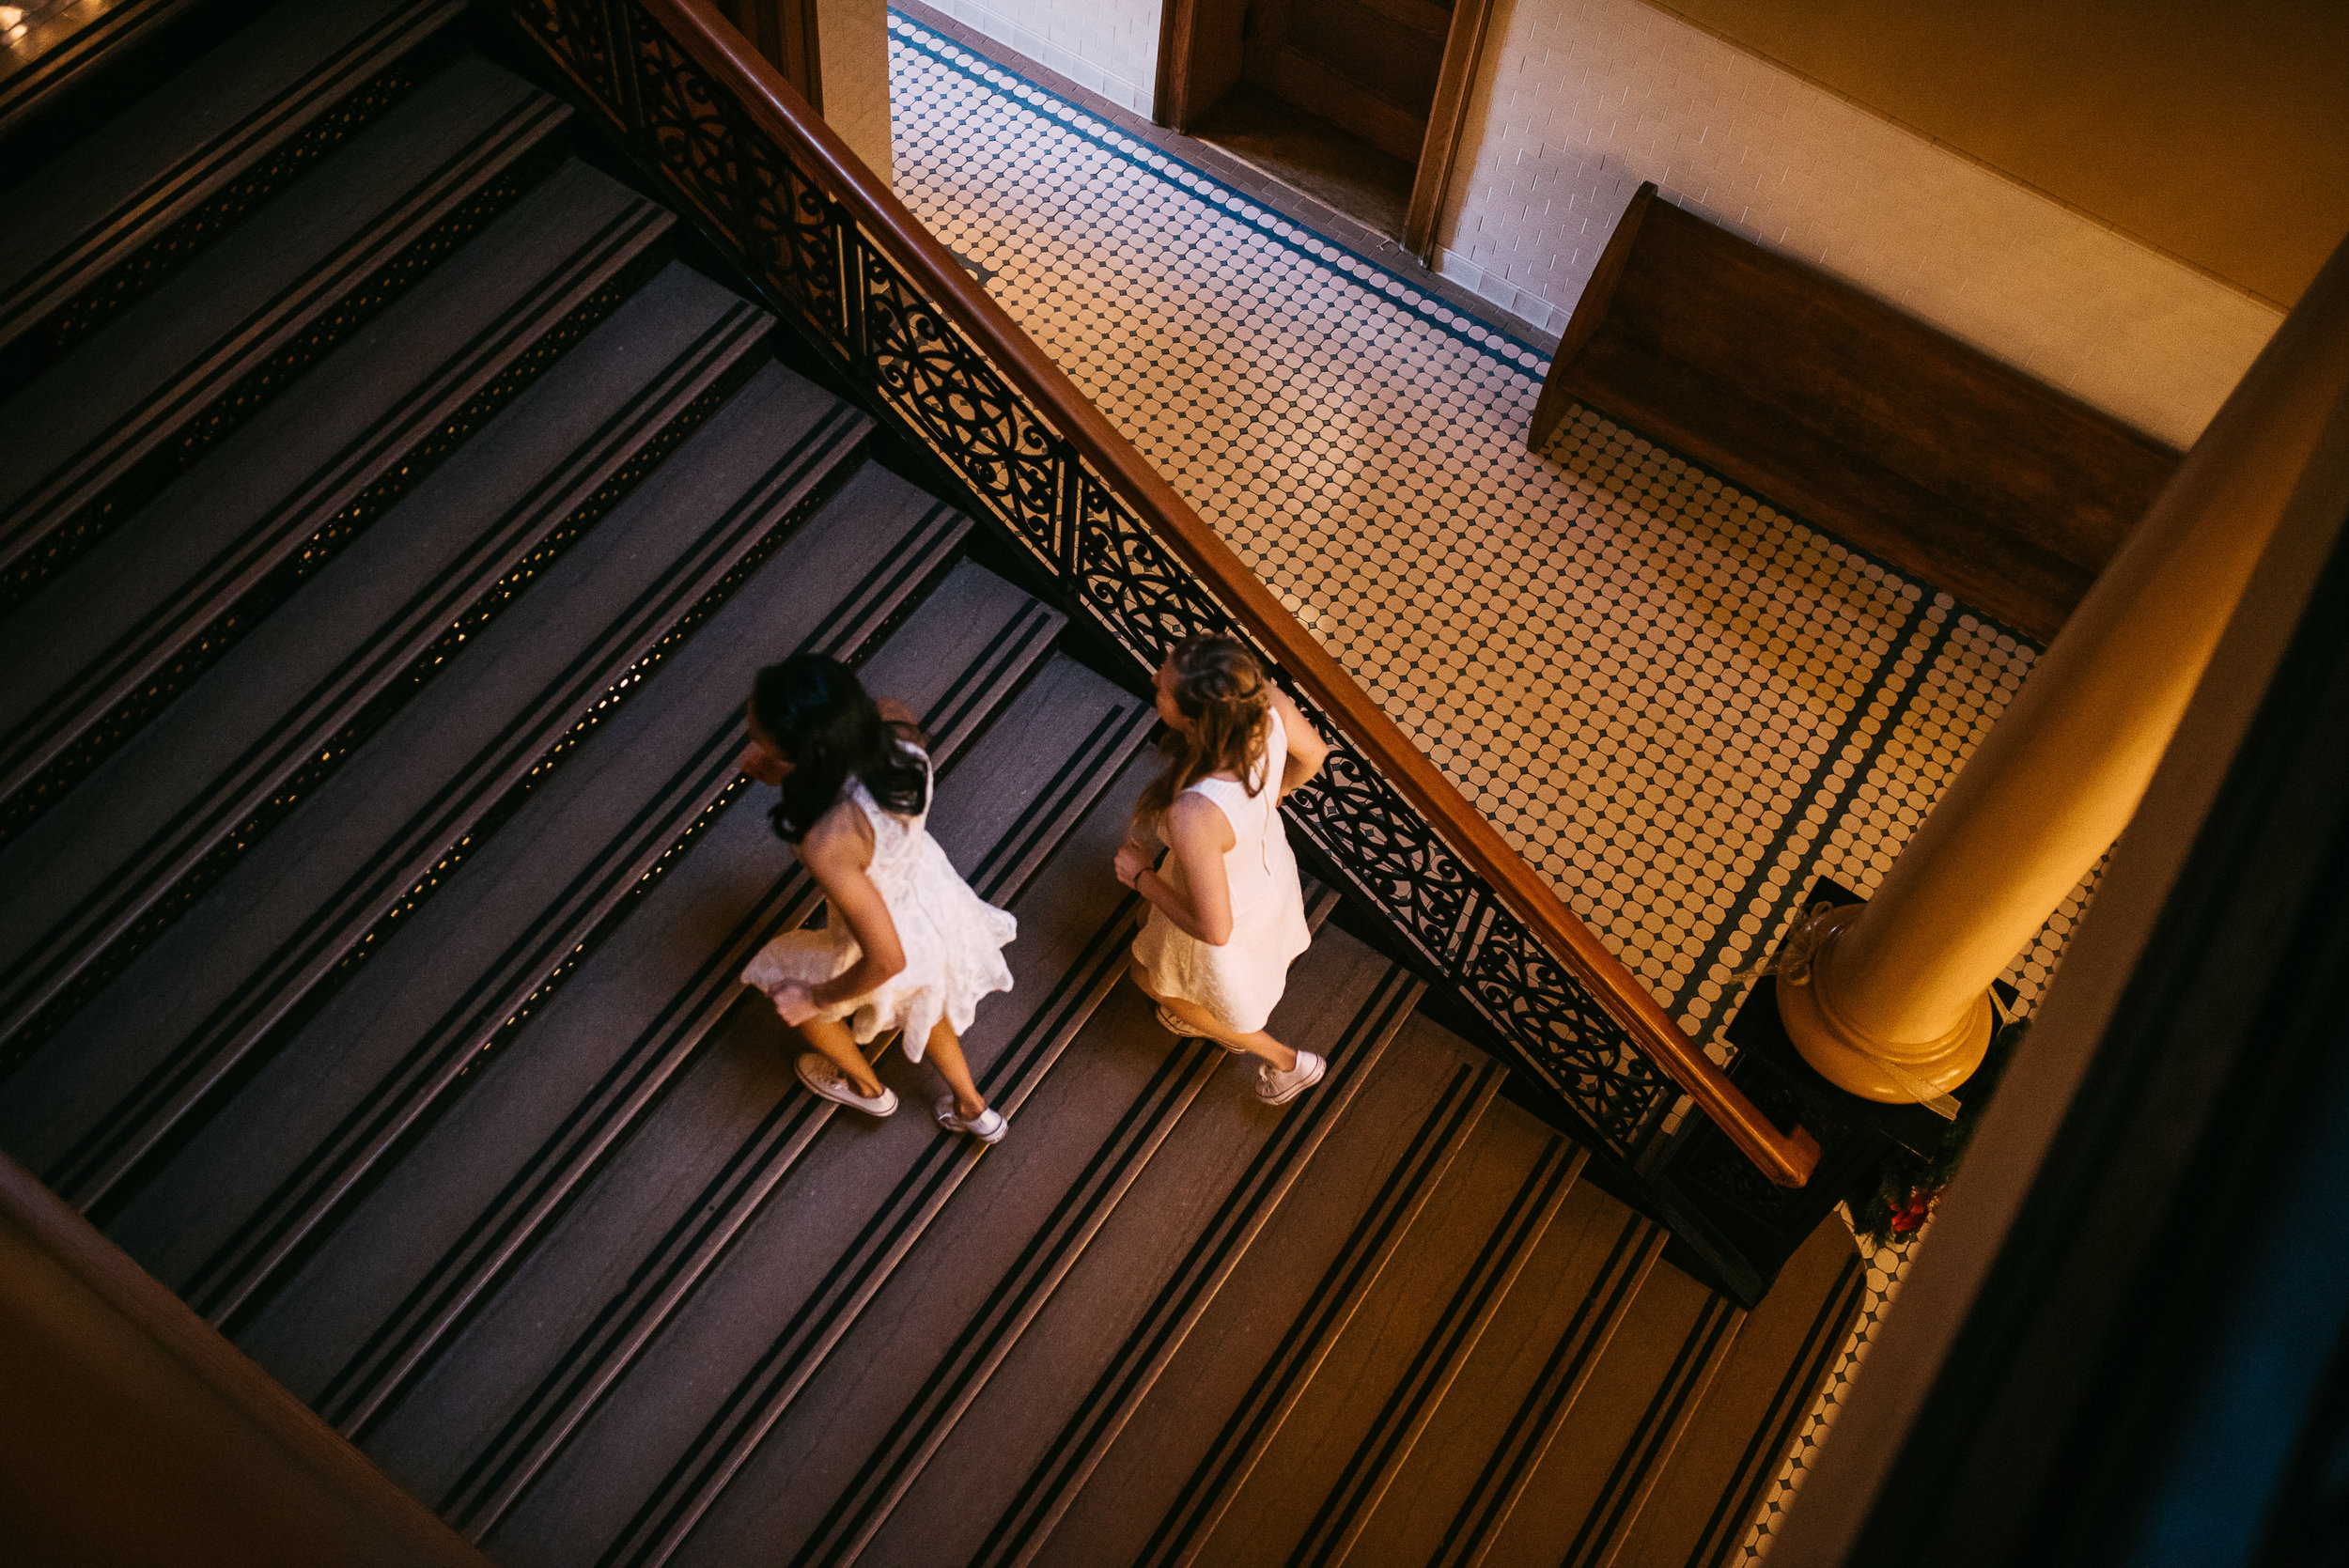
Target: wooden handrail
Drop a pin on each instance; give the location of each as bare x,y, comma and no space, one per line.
781,113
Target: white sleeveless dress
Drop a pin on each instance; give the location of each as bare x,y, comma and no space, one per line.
1238,983
953,939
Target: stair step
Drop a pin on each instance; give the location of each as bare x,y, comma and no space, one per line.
138,1066
1609,1527
1582,1497
653,1256
1069,1386
457,1215
1158,1486
236,1208
99,226
386,612
957,1308
1748,1421
1514,1396
1388,1450
144,396
110,641
1283,1467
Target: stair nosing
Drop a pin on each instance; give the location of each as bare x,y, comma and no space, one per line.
1606,1529
1152,1344
886,1238
492,1484
859,1513
79,481
83,937
1542,1411
690,799
771,507
371,1381
390,445
1216,1480
1774,1439
58,69
82,265
1380,1457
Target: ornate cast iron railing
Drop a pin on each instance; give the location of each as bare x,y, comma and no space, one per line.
832,245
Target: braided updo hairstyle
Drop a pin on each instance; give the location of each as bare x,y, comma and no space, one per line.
1219,686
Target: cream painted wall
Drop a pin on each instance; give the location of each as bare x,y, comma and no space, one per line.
1576,101
2215,130
852,49
1109,46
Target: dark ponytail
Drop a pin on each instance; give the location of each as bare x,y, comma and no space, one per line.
816,714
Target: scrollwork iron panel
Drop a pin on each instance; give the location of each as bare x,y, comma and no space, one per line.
577,35
917,361
1576,1046
909,359
1135,585
790,231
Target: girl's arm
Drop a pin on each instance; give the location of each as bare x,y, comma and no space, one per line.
838,855
1307,749
1201,835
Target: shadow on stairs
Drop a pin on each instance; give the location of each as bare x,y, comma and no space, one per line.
392,526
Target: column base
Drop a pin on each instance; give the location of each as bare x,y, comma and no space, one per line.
1889,1072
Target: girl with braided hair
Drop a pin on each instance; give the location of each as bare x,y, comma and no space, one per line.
1227,915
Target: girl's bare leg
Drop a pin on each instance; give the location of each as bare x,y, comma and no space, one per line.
831,1037
945,1049
1282,1057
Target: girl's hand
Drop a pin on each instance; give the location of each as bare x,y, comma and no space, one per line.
796,1003
1131,862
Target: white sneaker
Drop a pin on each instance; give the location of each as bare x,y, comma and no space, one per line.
822,1078
1279,1087
987,1126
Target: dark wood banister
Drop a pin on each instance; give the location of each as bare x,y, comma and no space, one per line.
1786,1158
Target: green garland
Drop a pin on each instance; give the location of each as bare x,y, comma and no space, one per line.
1909,1185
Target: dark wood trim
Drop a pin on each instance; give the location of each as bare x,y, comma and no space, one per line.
1421,16
1186,88
1291,75
779,113
785,33
1599,298
1447,120
1170,94
1958,469
137,1435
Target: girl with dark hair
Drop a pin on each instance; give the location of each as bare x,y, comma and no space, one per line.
1228,914
908,946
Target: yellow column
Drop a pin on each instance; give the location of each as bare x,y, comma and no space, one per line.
1895,1003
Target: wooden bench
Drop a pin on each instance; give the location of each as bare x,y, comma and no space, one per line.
1963,472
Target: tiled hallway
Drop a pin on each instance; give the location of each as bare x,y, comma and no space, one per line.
1682,703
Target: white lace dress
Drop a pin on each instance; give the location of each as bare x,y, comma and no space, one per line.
953,939
1240,981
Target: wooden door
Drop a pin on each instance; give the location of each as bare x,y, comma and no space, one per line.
1367,65
1394,73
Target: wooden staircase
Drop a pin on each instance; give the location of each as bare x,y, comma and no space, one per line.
392,523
